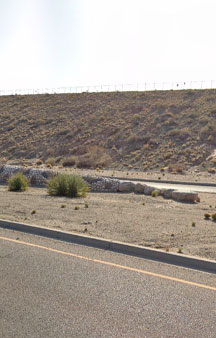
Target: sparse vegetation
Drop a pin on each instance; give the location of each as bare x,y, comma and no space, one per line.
18,182
154,193
120,129
207,216
51,161
176,168
68,185
213,216
69,162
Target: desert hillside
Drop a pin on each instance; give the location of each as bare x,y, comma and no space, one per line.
140,130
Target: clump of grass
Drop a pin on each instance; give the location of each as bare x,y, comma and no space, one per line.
86,205
177,168
193,224
51,161
68,185
213,216
180,250
63,206
207,215
76,207
154,193
33,212
18,182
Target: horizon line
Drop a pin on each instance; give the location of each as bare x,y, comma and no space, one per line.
121,87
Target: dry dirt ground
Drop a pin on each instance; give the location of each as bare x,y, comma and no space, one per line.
193,175
137,219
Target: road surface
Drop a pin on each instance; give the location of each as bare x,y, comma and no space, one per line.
54,289
179,187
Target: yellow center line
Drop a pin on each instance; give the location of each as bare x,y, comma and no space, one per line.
153,274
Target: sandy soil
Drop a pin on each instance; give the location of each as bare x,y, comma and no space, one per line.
138,219
193,175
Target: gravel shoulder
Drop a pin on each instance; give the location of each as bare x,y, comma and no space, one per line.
137,219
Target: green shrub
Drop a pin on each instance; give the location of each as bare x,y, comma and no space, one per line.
154,193
68,185
18,182
57,186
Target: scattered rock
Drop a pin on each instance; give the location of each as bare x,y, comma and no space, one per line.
39,177
126,187
148,190
139,188
168,193
188,197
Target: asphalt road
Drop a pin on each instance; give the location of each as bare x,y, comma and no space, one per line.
55,289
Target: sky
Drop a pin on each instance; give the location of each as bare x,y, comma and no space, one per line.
61,43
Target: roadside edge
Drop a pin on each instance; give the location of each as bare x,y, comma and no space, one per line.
190,262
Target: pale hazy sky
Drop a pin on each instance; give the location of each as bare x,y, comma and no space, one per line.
54,43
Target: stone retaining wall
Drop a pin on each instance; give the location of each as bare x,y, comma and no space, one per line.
39,177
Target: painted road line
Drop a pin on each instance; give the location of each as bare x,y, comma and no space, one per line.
190,262
111,264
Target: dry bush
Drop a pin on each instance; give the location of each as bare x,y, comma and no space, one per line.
95,157
208,133
167,155
180,134
51,161
178,168
69,161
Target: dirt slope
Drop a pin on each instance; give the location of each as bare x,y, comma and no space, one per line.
141,130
